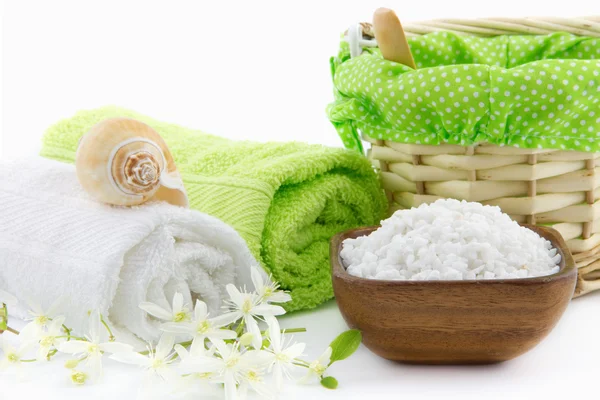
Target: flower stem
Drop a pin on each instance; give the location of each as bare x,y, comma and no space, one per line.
293,330
111,337
67,331
51,353
11,330
3,318
69,337
300,363
240,328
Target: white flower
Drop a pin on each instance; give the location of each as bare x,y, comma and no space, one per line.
232,367
200,383
178,313
282,356
12,357
41,317
80,373
49,338
197,353
197,349
268,291
203,327
157,363
254,379
249,306
318,367
92,349
7,298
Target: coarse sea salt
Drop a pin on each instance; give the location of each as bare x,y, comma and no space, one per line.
450,240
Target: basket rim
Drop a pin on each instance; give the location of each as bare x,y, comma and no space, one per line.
497,26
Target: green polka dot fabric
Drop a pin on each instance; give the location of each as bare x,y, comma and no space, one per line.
522,91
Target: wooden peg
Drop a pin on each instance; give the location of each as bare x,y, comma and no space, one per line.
391,38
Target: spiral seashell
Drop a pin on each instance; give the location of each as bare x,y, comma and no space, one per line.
124,162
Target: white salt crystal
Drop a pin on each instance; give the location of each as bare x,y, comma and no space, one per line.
450,240
489,275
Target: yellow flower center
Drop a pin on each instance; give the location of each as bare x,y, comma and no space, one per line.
232,362
180,316
78,377
93,348
204,375
12,358
253,376
203,327
157,363
268,292
47,341
247,306
41,320
318,367
282,357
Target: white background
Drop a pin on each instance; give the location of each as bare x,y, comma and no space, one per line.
249,70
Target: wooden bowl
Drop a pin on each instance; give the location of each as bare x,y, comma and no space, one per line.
453,322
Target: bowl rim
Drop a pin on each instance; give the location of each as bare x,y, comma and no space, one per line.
567,263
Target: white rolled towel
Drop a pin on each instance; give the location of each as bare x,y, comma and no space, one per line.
55,241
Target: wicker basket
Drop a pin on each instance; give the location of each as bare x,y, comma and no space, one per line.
539,186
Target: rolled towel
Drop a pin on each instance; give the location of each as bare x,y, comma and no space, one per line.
285,199
57,242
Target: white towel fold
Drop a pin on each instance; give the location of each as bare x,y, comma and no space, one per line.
55,241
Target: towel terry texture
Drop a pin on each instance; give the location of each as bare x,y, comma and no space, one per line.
57,242
285,199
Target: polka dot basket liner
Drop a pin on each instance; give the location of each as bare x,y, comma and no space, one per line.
503,112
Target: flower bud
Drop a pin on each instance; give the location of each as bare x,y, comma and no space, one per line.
3,318
246,339
70,364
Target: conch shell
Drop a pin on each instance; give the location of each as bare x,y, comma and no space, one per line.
124,162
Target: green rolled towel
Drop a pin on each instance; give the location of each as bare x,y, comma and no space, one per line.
285,199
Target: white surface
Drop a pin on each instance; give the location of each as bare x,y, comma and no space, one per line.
565,364
205,64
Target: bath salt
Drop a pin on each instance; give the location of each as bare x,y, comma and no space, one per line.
450,240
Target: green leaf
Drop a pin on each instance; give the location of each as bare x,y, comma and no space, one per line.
345,345
329,382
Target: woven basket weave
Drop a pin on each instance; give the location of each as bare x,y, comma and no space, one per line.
535,186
